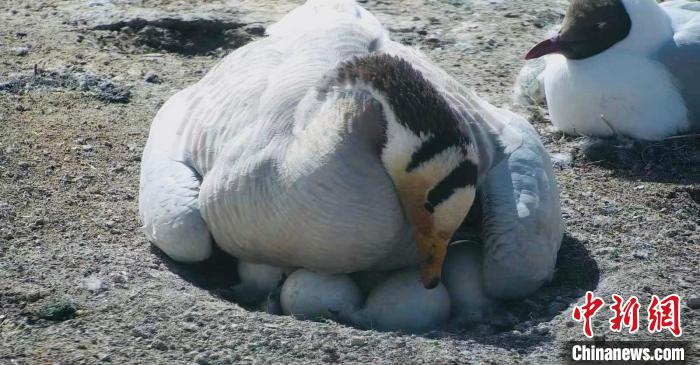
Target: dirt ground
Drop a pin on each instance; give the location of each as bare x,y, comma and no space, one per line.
80,81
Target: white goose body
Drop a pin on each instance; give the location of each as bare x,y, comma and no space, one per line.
273,156
643,87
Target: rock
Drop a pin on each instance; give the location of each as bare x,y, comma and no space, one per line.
694,303
562,160
104,357
160,345
152,78
358,341
119,277
541,329
93,284
58,311
641,255
112,93
255,29
21,51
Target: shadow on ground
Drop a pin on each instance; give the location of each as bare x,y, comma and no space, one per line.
674,160
520,325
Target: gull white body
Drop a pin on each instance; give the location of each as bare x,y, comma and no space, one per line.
642,87
252,158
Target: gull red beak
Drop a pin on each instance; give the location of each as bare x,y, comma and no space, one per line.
549,46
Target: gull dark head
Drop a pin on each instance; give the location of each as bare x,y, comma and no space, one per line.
427,152
589,28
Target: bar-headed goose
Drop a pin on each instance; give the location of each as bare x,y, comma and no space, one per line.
330,147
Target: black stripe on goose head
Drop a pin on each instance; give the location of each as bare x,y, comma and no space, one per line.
414,101
589,28
465,174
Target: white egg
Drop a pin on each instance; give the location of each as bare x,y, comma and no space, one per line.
257,281
463,277
401,303
309,295
529,85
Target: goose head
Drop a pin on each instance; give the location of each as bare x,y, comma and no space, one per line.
427,151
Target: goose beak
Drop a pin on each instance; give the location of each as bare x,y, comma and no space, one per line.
433,250
546,47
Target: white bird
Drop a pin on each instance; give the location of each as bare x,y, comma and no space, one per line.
330,147
624,68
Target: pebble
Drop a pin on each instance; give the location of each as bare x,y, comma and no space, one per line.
541,329
694,303
358,341
255,29
160,345
562,160
21,51
642,255
112,93
58,311
119,277
93,284
152,78
104,357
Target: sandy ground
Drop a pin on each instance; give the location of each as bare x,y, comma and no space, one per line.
80,82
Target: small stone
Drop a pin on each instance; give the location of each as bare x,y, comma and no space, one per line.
255,29
433,40
160,345
541,329
119,277
552,129
562,160
694,303
201,359
112,93
21,51
641,255
358,341
58,311
152,78
87,147
104,357
93,284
